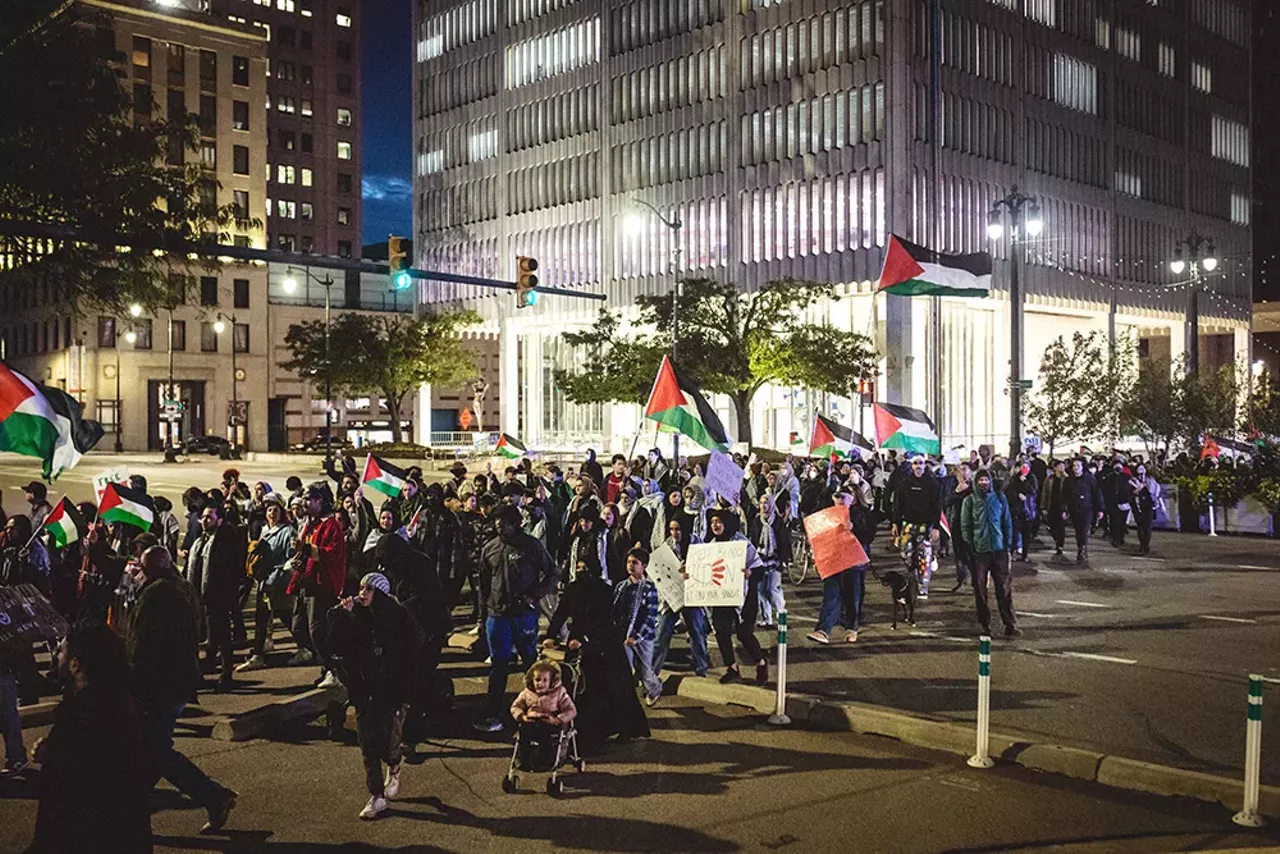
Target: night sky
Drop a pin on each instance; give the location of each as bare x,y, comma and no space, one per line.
387,134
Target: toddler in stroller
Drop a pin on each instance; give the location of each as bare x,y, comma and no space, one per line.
544,712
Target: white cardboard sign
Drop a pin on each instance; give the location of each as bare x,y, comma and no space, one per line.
724,477
717,575
664,571
119,474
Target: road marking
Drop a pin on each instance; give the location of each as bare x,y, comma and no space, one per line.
1250,566
1092,657
1228,619
1270,679
1034,614
1081,604
791,617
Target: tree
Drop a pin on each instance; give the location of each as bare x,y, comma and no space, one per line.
1209,400
1154,409
729,341
389,356
1055,411
80,152
1108,383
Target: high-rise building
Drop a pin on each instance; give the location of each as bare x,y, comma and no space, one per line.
791,139
313,120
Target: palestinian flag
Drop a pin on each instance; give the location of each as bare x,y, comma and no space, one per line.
678,407
905,428
65,524
122,504
38,421
911,271
382,476
830,438
510,447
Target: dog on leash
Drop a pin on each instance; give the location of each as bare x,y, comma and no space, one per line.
905,587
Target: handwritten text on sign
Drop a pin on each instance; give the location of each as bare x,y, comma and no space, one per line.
716,576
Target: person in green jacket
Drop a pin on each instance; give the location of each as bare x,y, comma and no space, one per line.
988,529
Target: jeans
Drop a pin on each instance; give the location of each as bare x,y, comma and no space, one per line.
157,734
728,622
378,731
917,553
640,657
695,620
10,723
842,595
311,623
771,599
503,633
995,564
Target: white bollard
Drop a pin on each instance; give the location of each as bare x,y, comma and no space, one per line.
980,759
1248,816
779,716
1213,523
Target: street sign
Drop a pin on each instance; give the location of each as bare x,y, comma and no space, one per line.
237,411
1025,385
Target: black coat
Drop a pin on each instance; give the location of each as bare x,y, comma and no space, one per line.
223,571
415,584
374,648
515,574
163,642
1083,496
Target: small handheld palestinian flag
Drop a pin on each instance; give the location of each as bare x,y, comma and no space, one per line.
911,271
510,447
678,407
906,429
382,476
832,439
65,524
122,504
38,421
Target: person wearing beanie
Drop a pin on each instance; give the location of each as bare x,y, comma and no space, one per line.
373,643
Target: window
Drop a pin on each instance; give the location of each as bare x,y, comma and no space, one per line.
285,242
141,103
270,206
1230,141
240,159
142,329
285,71
306,244
284,5
343,17
208,290
343,50
344,216
286,209
209,70
1202,77
344,182
142,58
209,115
284,174
177,65
307,75
344,151
305,107
240,201
344,84
306,176
105,414
305,40
240,293
344,248
306,143
241,336
305,212
240,70
208,338
286,104
106,331
179,335
209,154
240,115
287,36
1240,208
1168,60
344,117
288,139
1075,84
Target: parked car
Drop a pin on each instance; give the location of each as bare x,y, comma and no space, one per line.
214,446
317,443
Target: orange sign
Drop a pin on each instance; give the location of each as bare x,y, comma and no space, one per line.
464,419
835,549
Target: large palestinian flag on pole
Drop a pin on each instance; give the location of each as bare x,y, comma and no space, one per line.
38,421
65,524
906,429
382,476
831,438
510,447
122,504
677,405
911,271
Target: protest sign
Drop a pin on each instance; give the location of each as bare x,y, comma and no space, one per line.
716,574
118,474
834,546
724,477
25,615
664,571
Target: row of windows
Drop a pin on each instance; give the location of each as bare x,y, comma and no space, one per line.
1074,83
459,204
814,217
464,255
1076,237
1230,141
687,153
970,126
458,84
803,47
1133,233
463,143
110,330
700,243
642,22
1148,176
557,182
557,117
1223,17
960,219
821,124
519,11
568,255
666,86
554,53
460,25
969,47
1146,110
1054,149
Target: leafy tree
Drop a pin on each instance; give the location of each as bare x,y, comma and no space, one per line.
1055,411
389,356
1108,383
1154,410
1209,401
80,152
729,341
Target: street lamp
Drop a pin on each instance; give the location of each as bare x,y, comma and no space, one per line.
635,223
290,285
220,326
1194,252
1025,221
130,336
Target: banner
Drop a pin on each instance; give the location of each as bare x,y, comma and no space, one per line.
833,544
724,477
717,574
119,474
25,615
664,571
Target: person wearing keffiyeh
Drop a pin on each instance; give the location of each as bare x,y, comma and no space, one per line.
772,539
727,621
635,613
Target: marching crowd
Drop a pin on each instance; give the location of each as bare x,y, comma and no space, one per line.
531,559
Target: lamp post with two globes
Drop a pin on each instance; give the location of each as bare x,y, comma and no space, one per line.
1194,252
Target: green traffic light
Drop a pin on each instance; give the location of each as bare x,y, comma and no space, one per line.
402,281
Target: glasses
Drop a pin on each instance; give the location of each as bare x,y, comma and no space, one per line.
918,464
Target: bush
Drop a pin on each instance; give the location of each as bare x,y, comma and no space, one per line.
1268,492
1228,488
398,450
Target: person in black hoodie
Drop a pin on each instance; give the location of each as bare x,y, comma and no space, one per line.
917,511
93,780
1084,505
373,649
1119,503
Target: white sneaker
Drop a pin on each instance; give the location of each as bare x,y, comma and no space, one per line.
330,680
270,645
391,783
255,662
376,807
487,725
301,657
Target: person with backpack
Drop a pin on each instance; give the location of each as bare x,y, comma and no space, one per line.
988,529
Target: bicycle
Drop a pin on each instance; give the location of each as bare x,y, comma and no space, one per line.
801,556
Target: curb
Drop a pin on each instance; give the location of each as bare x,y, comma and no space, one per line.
251,724
951,737
37,714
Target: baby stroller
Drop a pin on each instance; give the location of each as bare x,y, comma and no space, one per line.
542,748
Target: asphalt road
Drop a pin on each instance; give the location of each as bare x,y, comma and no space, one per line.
712,779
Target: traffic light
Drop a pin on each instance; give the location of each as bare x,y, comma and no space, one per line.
526,282
867,389
397,255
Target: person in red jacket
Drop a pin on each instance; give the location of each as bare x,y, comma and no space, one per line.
319,571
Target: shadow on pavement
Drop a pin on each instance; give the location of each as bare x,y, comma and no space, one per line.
252,841
940,695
